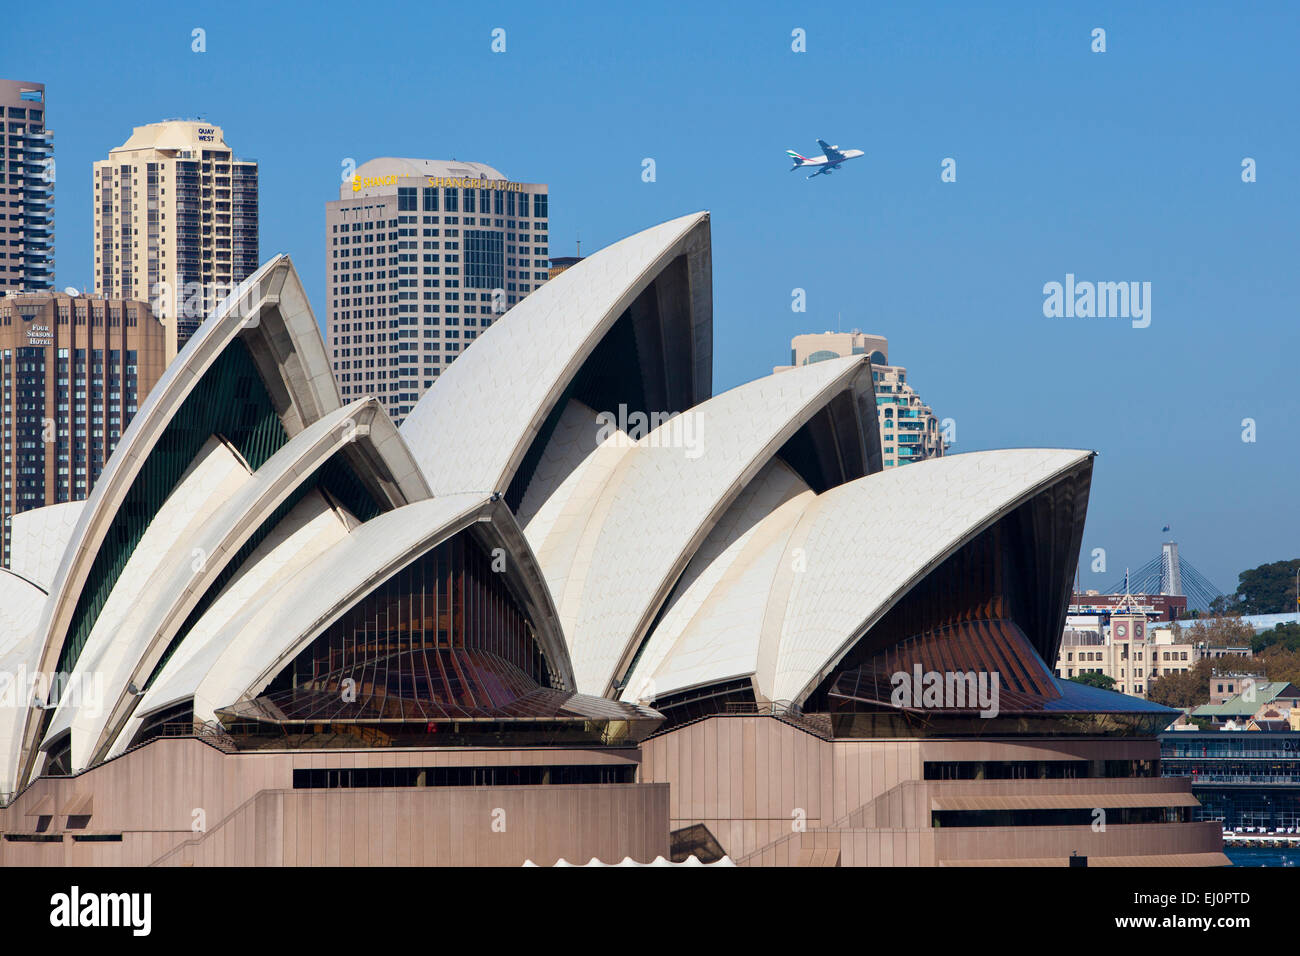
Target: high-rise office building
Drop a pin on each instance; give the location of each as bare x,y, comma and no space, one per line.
26,189
422,255
909,430
175,222
73,372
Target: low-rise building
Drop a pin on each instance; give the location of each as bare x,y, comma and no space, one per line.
1164,607
1126,650
1242,779
1225,686
1135,647
1255,700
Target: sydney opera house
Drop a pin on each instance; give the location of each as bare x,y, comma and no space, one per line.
576,606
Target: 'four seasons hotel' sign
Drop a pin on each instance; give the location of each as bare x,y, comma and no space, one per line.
37,333
40,335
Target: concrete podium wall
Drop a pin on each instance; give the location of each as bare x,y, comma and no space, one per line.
181,801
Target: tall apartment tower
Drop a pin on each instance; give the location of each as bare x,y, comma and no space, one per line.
73,371
26,189
175,222
909,429
421,256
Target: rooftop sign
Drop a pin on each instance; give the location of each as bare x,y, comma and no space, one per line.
370,182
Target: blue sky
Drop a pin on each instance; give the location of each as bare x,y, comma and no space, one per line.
1123,165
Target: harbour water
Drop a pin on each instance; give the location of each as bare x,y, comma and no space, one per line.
1263,855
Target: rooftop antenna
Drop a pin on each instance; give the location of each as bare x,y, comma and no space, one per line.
579,245
1129,603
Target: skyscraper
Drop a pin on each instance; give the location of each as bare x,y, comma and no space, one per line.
909,429
422,255
26,189
73,372
175,222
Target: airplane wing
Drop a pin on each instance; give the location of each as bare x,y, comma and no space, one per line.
832,154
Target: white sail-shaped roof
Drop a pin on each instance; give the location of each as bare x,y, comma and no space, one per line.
664,498
784,601
530,356
711,629
20,610
868,542
216,475
269,311
163,601
40,537
256,644
558,508
737,542
311,527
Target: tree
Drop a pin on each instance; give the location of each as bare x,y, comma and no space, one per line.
1221,631
1282,664
1269,588
1221,605
1094,679
1182,689
1284,637
1188,688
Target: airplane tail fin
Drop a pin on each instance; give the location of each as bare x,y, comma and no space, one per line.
796,158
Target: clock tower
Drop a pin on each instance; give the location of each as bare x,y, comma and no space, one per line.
1128,628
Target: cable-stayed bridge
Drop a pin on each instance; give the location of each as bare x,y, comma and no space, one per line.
1166,573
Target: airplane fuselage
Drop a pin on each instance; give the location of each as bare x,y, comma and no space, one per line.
832,159
823,161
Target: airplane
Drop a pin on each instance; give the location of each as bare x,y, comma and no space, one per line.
827,164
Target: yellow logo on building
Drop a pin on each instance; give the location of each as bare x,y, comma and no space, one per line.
475,183
358,183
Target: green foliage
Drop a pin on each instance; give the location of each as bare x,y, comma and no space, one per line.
1283,637
1268,589
1216,631
1222,605
1092,679
1182,689
1282,664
